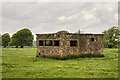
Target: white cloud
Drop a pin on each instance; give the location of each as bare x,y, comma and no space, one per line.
110,6
116,16
88,16
70,17
61,18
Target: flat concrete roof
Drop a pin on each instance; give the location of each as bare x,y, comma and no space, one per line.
71,34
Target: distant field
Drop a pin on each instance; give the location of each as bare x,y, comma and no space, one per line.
23,63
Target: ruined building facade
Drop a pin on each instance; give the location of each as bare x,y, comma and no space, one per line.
69,44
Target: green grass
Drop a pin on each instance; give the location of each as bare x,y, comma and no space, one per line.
23,63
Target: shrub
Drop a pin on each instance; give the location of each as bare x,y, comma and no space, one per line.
58,57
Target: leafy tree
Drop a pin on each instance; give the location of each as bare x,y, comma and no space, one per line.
14,41
62,32
0,40
111,37
5,39
22,38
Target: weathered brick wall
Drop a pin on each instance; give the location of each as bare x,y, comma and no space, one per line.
84,44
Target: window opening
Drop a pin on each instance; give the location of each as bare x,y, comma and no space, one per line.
92,39
73,43
40,43
48,43
56,43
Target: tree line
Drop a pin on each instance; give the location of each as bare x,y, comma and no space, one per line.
24,37
111,37
21,38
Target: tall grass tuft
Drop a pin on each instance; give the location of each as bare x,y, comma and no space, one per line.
89,55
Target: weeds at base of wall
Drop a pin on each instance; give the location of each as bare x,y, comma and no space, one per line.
89,55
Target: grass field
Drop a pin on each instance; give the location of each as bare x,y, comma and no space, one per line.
23,63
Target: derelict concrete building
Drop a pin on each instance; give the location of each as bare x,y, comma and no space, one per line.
69,44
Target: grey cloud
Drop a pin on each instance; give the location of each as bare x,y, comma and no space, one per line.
45,17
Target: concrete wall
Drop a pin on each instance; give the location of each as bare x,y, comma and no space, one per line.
84,44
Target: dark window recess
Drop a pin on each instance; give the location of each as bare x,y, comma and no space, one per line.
73,43
92,39
40,43
56,43
48,43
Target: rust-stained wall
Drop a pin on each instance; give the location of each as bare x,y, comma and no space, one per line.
84,44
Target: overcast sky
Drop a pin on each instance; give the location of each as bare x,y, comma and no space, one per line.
50,17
